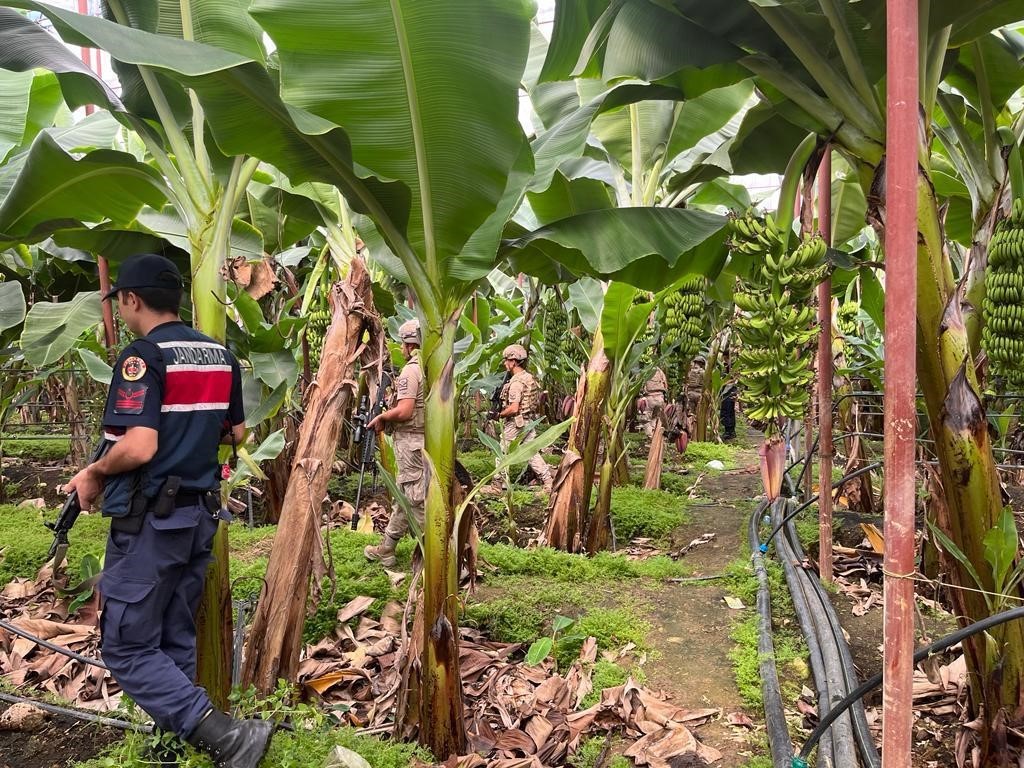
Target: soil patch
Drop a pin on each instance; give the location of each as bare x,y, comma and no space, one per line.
692,622
62,741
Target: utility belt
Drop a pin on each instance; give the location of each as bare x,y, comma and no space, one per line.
170,497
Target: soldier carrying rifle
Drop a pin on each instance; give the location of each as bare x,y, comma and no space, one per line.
520,398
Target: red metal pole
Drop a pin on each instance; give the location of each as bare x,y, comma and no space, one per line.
825,378
901,174
86,53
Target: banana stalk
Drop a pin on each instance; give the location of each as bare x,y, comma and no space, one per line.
570,498
966,464
442,724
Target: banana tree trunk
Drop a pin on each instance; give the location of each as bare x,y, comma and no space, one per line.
705,406
849,422
655,456
276,637
441,720
620,458
570,498
967,469
599,531
214,619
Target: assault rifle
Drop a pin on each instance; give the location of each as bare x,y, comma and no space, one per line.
496,396
365,439
69,514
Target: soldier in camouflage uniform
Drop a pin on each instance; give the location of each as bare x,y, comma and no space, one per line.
519,406
694,392
652,404
406,416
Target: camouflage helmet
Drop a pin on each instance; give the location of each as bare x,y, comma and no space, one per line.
409,331
515,352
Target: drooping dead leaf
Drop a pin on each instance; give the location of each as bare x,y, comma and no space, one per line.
262,279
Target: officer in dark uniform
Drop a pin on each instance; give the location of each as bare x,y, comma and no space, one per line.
174,397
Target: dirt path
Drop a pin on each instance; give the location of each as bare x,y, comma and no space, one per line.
692,623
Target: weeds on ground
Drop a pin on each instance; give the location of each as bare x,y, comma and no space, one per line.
650,514
699,454
590,750
608,674
26,541
35,447
568,568
308,744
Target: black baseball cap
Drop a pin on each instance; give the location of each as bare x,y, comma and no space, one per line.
146,270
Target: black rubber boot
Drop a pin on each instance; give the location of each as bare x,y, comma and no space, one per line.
232,743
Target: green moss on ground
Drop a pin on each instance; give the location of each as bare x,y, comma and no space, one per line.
477,463
36,447
650,514
25,540
564,567
699,454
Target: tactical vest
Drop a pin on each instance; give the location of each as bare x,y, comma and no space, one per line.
530,400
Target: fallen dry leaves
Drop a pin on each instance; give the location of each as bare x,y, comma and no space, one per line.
517,716
35,607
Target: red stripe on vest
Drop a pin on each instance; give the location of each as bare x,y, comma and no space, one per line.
192,387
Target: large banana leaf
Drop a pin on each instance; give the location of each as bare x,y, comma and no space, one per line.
242,105
428,93
622,321
51,329
645,247
27,101
573,21
569,197
567,138
12,304
224,24
55,189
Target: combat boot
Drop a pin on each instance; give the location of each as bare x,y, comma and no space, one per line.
232,743
384,553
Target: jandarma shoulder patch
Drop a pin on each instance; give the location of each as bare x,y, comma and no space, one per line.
133,368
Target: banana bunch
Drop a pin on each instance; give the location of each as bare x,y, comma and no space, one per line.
556,326
846,317
316,329
684,318
755,235
1003,308
776,326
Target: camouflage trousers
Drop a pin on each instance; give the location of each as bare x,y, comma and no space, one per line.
412,480
654,412
509,432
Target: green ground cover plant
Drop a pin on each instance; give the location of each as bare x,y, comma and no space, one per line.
568,568
36,448
590,750
26,540
699,454
640,513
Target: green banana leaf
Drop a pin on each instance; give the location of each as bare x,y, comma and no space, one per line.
622,321
240,99
12,304
51,328
54,189
568,197
573,21
645,247
16,104
427,92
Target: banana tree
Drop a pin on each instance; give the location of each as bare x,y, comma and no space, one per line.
836,93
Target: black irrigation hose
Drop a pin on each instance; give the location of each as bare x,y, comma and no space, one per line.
838,484
827,756
88,717
16,630
861,729
777,729
869,685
